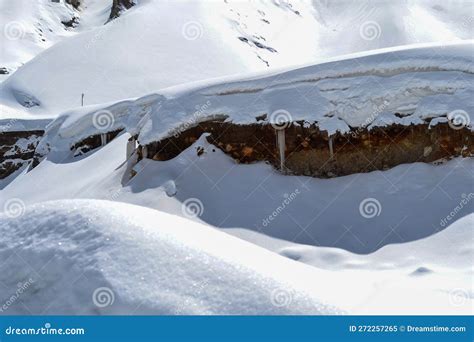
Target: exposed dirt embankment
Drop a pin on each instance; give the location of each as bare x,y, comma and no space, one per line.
309,151
17,149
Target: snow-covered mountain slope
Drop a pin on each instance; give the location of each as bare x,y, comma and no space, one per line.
165,43
410,201
29,27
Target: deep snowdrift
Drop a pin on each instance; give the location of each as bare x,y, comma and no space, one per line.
101,257
77,256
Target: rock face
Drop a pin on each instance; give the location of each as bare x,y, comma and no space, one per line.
310,152
74,3
17,149
118,6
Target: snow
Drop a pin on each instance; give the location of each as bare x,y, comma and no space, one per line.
368,89
203,234
151,262
100,257
30,27
165,43
258,190
397,274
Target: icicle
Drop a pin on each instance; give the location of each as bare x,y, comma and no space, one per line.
281,147
103,139
130,147
331,150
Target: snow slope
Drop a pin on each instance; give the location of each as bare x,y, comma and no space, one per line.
158,44
30,27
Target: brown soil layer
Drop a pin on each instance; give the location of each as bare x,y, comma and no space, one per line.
307,150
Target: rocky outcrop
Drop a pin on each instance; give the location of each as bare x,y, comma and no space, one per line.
311,152
74,3
17,149
118,6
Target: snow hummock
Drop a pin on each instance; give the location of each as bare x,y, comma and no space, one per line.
152,263
101,257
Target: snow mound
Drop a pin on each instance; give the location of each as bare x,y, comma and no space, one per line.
452,248
99,257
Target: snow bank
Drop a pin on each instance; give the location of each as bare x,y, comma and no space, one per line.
79,256
338,95
404,86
